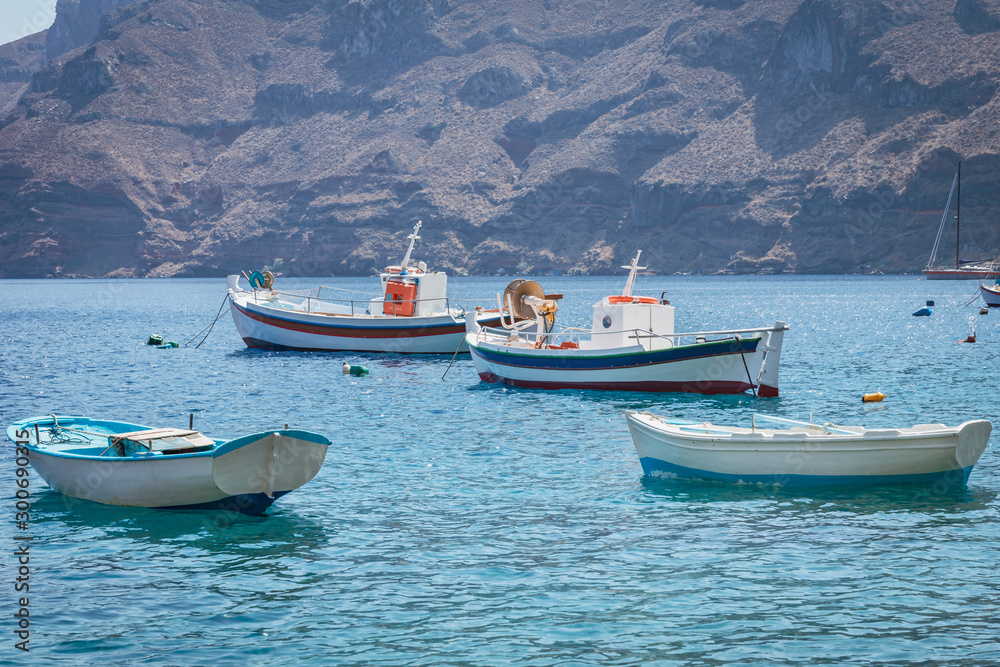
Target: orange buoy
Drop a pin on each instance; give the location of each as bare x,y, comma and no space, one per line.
873,398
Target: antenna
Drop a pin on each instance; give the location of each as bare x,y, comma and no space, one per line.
633,269
413,237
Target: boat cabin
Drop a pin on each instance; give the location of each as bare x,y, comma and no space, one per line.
626,321
410,291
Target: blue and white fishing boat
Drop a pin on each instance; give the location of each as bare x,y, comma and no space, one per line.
632,346
116,463
806,454
411,315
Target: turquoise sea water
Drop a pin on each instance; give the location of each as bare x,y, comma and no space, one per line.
456,522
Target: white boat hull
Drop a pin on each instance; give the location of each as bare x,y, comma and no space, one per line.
991,295
721,373
265,327
173,482
799,458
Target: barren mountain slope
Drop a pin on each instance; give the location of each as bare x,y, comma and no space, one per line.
198,137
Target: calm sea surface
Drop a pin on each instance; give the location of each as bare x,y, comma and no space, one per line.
456,522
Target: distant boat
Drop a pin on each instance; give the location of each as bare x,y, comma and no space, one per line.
116,463
412,315
964,269
806,454
632,346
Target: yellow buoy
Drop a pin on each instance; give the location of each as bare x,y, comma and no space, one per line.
873,398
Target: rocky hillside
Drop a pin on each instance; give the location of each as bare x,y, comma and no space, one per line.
18,61
199,137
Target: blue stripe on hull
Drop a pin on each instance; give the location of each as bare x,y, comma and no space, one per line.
657,468
576,361
245,503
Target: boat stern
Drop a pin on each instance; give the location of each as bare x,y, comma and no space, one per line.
769,351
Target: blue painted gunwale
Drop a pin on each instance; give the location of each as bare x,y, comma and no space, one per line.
242,441
221,446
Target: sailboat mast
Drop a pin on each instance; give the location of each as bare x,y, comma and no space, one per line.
958,216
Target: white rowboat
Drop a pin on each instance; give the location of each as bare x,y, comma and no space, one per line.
806,454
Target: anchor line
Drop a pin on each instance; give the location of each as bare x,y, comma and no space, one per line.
210,326
739,342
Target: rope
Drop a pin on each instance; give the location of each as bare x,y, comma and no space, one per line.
974,296
209,327
454,355
739,342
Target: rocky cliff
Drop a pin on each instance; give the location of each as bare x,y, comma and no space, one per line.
199,137
18,62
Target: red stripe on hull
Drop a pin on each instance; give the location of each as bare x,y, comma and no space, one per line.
352,332
703,387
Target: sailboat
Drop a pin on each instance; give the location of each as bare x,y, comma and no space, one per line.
978,269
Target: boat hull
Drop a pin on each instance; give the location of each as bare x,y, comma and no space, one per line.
706,368
181,483
990,296
961,274
795,459
243,475
274,329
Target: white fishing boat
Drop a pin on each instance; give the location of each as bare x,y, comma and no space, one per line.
806,454
411,315
632,346
116,463
990,293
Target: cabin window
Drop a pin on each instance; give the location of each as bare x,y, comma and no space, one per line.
606,321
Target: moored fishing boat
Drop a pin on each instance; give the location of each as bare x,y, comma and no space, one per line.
806,454
990,294
632,346
412,315
116,463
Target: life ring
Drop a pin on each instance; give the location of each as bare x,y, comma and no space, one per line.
256,280
620,298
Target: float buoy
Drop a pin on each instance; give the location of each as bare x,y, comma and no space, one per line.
356,371
154,339
923,312
984,311
872,398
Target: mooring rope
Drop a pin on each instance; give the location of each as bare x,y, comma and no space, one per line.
210,326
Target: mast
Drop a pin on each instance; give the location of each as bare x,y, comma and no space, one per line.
633,268
413,238
958,215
